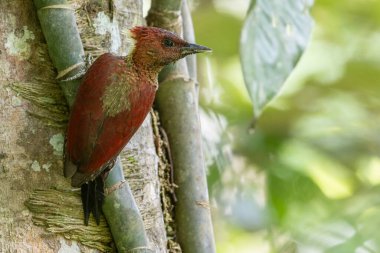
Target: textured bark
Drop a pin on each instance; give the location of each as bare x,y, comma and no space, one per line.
32,121
27,158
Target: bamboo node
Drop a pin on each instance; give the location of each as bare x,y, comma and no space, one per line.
140,250
170,20
204,204
176,76
113,188
165,13
58,6
64,72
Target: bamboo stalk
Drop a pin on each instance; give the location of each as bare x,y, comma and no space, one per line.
122,214
188,35
177,104
64,45
66,52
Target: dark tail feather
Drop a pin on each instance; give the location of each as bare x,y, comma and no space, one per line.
85,194
92,198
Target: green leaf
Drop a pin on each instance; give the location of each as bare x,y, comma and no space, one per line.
273,38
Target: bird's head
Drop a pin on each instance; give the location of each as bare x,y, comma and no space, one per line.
156,47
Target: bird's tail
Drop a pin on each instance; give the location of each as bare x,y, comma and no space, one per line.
92,194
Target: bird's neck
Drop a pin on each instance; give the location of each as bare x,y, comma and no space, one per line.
142,61
144,72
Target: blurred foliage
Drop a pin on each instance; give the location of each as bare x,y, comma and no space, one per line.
308,178
273,38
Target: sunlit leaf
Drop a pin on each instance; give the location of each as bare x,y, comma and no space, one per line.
273,38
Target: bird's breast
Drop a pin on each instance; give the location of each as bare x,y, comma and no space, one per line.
116,96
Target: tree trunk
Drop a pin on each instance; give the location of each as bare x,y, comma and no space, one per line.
33,115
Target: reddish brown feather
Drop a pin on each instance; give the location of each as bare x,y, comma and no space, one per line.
93,137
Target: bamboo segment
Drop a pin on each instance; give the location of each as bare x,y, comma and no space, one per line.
177,100
64,44
188,35
122,214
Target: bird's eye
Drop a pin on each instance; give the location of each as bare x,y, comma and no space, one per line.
168,43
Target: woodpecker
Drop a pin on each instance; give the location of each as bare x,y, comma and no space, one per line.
115,96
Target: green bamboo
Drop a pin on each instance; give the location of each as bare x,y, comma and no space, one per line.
64,44
177,105
177,100
188,35
66,52
164,6
125,222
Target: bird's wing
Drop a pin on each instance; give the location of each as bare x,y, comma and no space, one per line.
87,116
104,117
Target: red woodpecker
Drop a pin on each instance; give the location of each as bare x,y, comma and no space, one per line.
113,99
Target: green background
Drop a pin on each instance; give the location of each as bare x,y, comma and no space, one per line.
308,178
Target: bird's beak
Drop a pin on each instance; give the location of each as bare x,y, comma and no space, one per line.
194,49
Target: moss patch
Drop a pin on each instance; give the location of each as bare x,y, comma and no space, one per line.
60,212
49,103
